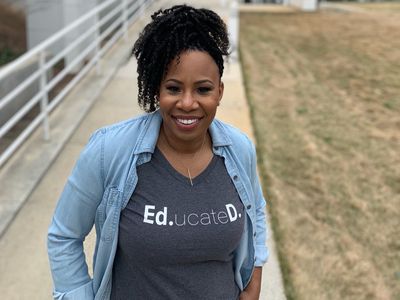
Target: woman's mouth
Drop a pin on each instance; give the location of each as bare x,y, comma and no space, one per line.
186,123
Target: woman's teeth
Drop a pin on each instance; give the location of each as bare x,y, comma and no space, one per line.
187,122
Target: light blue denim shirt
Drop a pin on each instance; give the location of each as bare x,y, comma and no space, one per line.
101,185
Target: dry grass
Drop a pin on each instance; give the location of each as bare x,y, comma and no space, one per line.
325,96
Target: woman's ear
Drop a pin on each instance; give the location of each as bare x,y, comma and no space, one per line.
157,96
221,91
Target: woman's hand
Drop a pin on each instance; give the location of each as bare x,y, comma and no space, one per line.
252,291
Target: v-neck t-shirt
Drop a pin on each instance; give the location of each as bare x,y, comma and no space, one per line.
176,241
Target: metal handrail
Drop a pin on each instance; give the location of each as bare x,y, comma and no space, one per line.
122,15
52,39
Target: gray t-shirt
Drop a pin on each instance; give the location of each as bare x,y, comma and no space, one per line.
176,241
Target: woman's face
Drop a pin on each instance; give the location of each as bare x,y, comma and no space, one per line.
189,95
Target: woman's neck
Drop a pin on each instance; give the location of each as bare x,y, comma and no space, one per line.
184,147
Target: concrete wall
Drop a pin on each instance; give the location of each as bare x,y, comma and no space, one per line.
46,17
73,9
306,5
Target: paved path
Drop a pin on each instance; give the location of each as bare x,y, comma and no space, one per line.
24,270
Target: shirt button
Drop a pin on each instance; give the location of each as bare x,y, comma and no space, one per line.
235,177
248,206
255,233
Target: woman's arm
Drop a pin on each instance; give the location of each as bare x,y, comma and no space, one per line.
252,291
72,221
261,232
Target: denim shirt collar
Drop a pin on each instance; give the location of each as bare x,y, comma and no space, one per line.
147,139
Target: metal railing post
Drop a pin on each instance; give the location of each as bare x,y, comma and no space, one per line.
44,99
125,18
142,7
233,28
97,50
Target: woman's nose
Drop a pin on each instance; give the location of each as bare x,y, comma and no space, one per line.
188,101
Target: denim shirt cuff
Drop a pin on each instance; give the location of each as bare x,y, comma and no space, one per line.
261,255
84,292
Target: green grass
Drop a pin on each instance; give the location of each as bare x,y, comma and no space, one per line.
7,55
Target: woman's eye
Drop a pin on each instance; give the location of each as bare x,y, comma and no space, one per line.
204,90
173,89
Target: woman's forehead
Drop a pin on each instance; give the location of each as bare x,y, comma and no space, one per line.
192,62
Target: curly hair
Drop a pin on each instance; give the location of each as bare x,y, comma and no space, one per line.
171,32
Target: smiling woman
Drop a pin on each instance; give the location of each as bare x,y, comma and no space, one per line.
174,193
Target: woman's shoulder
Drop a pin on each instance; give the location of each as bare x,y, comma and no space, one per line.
237,142
123,131
124,126
118,139
233,135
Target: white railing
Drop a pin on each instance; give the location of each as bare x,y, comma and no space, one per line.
121,13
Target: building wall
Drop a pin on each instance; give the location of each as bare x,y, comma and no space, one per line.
46,17
306,5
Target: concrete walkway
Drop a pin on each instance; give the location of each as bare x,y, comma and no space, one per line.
24,270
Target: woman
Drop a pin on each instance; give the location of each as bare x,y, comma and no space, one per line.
173,194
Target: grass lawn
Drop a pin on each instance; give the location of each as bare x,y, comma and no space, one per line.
324,90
